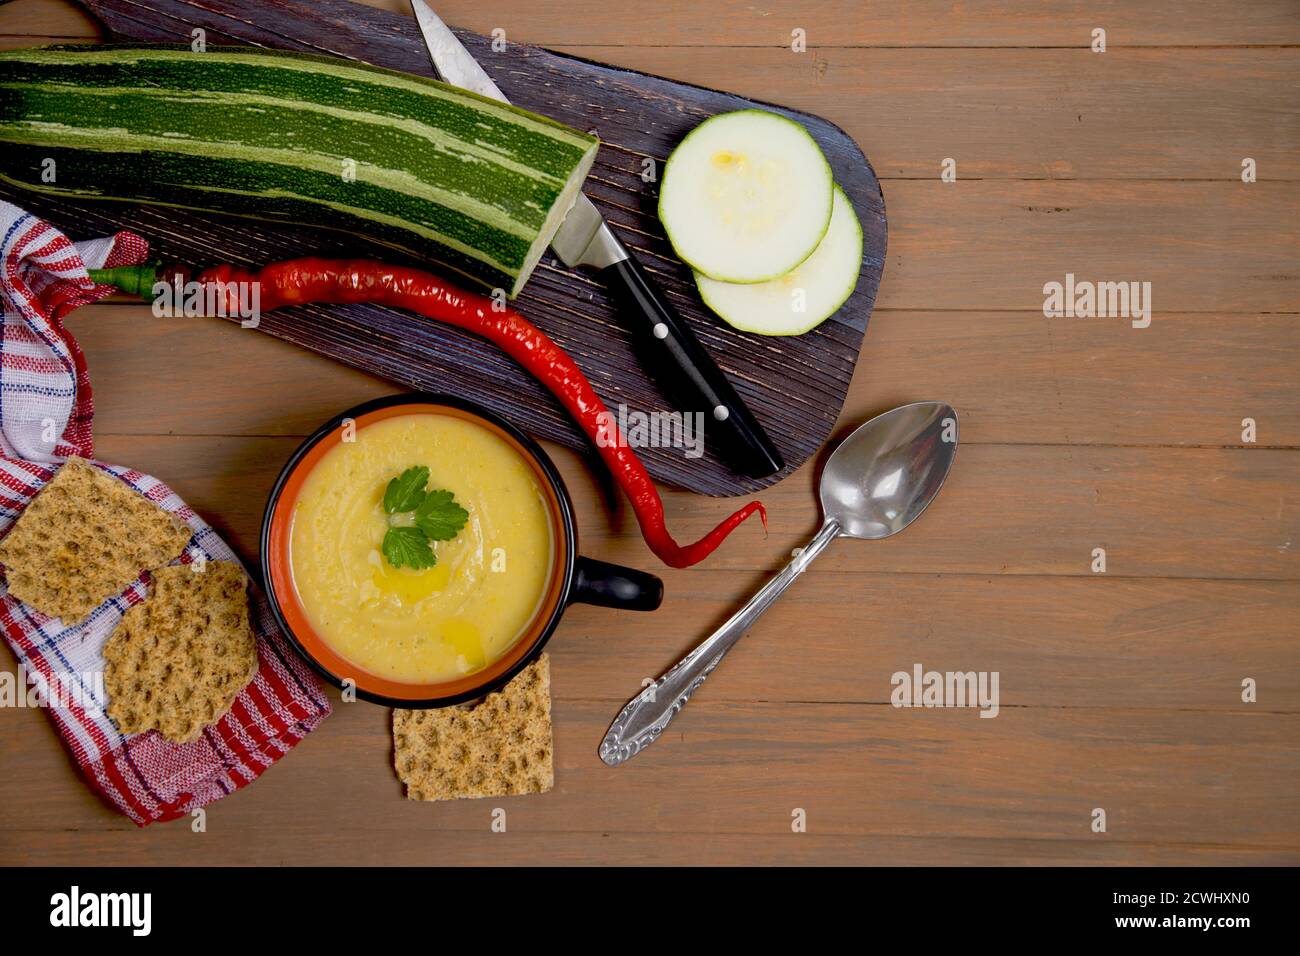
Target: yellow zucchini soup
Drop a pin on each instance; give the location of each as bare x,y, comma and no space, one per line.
422,551
421,625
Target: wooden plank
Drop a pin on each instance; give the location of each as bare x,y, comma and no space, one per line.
840,636
1015,376
1036,773
1029,509
1188,379
878,23
1133,114
989,245
828,24
1044,509
174,845
1079,642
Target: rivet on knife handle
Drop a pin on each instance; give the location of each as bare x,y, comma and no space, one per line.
687,373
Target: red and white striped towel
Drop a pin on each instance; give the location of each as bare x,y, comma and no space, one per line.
45,416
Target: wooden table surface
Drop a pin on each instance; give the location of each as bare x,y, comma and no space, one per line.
1120,690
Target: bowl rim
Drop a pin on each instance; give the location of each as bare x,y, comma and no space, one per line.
563,572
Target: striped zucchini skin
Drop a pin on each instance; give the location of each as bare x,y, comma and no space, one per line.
430,169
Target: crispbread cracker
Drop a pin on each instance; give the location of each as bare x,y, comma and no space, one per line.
83,539
498,748
177,661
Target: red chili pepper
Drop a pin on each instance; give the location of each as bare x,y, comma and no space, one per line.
302,281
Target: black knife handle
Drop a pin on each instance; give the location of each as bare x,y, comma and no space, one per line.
688,376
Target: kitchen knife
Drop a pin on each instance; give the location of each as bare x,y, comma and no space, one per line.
669,349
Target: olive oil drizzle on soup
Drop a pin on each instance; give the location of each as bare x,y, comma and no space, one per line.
439,623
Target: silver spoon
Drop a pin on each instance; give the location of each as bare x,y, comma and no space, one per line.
876,483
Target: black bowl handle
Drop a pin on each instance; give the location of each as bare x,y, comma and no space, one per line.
612,585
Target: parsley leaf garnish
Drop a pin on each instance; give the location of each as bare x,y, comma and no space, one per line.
408,547
406,491
433,516
439,516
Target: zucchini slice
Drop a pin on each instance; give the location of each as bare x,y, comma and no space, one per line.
746,196
806,296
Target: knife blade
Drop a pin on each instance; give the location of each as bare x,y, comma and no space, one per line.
670,351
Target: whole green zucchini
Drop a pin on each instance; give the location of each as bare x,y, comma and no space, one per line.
428,168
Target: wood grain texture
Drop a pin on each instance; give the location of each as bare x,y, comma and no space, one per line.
883,23
1204,247
1120,690
259,846
828,24
861,771
794,386
1130,114
1015,377
1006,509
1189,379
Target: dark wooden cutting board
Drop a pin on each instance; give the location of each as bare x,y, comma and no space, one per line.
795,386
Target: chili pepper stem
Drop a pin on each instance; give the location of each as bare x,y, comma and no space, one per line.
135,280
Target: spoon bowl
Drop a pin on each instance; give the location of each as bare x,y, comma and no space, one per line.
889,469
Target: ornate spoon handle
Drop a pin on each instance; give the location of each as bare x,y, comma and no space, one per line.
641,722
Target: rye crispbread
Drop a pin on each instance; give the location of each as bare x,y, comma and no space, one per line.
500,747
83,539
177,661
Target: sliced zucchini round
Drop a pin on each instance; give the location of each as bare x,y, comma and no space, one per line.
746,196
806,296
